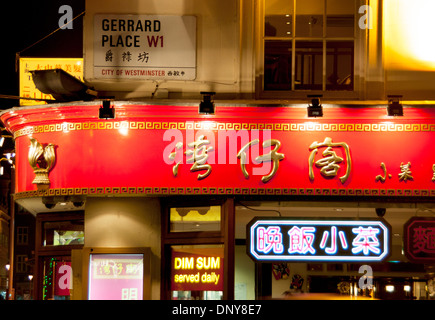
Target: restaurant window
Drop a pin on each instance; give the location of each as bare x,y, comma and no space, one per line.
195,219
309,45
57,234
56,278
197,249
63,233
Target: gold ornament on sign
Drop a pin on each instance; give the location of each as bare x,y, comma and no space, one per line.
41,159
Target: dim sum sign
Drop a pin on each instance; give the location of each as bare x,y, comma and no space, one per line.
196,272
302,239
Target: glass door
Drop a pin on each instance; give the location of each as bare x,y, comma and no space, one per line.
197,250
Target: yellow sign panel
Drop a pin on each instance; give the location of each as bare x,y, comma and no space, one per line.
74,66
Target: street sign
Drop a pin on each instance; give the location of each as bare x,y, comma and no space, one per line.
144,47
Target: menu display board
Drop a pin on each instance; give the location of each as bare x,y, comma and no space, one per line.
115,276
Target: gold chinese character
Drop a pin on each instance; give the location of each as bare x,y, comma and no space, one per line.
329,163
178,146
273,156
383,178
242,156
405,173
433,169
199,156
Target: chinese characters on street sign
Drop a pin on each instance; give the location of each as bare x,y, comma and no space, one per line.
144,47
287,239
419,240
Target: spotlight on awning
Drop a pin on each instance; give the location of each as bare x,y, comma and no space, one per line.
106,111
315,109
61,85
207,104
394,107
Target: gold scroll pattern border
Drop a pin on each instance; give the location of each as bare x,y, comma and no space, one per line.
166,191
295,127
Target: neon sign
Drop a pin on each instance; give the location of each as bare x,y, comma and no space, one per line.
419,238
196,272
297,239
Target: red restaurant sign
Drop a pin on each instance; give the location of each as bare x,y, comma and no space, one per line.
160,150
419,239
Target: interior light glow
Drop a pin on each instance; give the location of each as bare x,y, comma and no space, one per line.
407,288
408,26
389,288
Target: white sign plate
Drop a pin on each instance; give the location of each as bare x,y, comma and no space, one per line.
144,47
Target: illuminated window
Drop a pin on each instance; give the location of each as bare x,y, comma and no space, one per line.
309,45
195,219
63,233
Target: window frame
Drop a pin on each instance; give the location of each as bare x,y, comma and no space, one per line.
21,265
22,235
358,58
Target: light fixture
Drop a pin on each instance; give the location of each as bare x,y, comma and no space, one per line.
10,157
315,109
106,111
207,104
389,288
61,85
51,201
380,212
394,107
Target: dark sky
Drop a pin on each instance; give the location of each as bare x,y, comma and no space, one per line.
22,23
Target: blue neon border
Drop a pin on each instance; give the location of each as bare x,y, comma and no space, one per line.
315,222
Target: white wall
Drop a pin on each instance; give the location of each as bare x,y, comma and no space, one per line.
126,222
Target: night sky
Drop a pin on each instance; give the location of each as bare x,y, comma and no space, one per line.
22,23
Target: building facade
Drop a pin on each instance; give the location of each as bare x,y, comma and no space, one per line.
309,165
